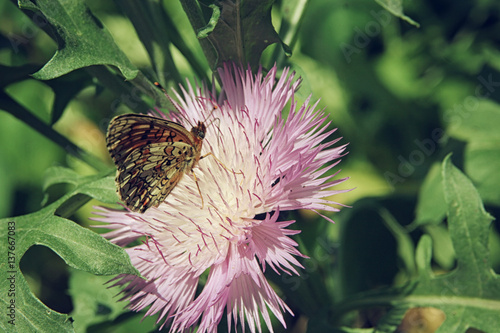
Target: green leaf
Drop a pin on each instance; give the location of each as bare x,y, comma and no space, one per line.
468,223
395,7
93,302
443,252
82,39
101,186
470,294
405,247
58,175
475,121
79,247
431,207
30,314
292,13
423,256
155,31
102,189
242,32
482,162
209,28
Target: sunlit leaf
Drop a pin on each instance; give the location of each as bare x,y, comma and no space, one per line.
395,7
82,40
79,247
470,294
431,207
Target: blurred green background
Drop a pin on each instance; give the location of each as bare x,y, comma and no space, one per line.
402,96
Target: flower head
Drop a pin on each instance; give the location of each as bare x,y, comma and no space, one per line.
262,163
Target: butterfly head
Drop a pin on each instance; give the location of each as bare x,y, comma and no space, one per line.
199,130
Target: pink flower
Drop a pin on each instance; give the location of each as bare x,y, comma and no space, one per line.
280,163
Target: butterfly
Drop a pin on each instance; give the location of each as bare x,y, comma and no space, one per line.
151,155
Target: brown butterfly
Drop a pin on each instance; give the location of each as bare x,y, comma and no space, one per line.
151,155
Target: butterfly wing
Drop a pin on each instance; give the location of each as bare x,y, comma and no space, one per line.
130,131
149,174
151,155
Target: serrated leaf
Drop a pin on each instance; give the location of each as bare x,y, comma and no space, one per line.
395,7
30,314
101,187
79,247
468,222
242,31
82,40
58,175
431,207
470,294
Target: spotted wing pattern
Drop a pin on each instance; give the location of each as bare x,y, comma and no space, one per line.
151,155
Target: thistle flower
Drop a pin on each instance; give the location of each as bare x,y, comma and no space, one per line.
265,163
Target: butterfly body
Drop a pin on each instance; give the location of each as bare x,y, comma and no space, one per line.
151,155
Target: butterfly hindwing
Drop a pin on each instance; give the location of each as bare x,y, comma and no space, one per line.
150,173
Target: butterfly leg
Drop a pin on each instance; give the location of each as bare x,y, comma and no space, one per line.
222,164
198,186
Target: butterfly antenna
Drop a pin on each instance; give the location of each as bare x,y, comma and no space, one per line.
204,101
213,121
174,103
157,84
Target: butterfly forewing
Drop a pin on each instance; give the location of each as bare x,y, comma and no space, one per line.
151,155
128,132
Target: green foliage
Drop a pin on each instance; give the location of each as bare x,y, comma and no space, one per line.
93,301
431,207
79,247
81,38
470,294
421,233
395,7
478,127
240,33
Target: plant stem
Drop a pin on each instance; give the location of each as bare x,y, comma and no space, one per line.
21,113
292,13
195,16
